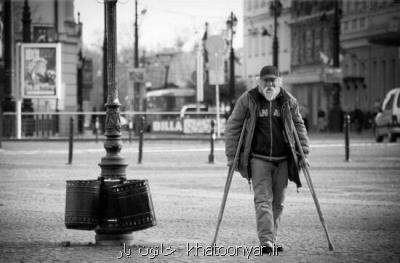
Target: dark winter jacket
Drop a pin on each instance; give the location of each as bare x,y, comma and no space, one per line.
268,139
247,106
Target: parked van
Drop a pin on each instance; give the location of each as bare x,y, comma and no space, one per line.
387,120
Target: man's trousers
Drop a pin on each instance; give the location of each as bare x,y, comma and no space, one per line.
270,181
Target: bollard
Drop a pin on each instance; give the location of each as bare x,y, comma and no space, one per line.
142,119
42,125
96,129
346,136
212,138
48,125
71,140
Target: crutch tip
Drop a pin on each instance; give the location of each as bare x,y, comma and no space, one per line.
331,247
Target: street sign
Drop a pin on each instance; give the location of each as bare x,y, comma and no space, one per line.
332,75
215,44
136,75
216,77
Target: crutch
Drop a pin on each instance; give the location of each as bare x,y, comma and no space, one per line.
228,181
306,173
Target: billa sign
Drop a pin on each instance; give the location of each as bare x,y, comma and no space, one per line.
40,70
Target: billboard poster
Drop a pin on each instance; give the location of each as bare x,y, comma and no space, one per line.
40,70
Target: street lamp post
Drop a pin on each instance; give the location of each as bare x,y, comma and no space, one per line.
8,102
276,10
136,85
136,59
165,59
336,50
105,75
111,205
112,165
79,94
336,118
335,112
138,97
26,38
231,25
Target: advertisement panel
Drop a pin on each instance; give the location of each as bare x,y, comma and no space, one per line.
40,69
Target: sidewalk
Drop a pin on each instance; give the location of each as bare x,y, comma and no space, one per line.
88,136
360,201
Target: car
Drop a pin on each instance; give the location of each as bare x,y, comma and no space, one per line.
387,119
192,108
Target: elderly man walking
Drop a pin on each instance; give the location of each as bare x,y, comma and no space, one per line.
268,156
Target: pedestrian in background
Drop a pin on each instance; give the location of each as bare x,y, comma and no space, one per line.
268,154
321,120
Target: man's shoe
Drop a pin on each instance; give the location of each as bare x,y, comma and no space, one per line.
267,248
279,248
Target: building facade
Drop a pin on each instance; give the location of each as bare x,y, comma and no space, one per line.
49,22
370,41
365,45
312,55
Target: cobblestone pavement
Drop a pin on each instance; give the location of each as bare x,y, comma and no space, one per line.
360,201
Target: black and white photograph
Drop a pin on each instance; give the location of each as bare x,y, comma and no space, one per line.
200,131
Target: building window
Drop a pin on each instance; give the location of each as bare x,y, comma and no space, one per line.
355,69
43,34
374,73
363,72
374,4
384,75
346,70
263,45
362,22
321,45
327,42
363,5
345,26
317,43
354,24
357,6
302,47
350,6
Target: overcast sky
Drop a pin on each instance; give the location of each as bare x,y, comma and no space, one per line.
163,22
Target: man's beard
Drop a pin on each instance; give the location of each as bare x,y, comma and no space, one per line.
270,94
